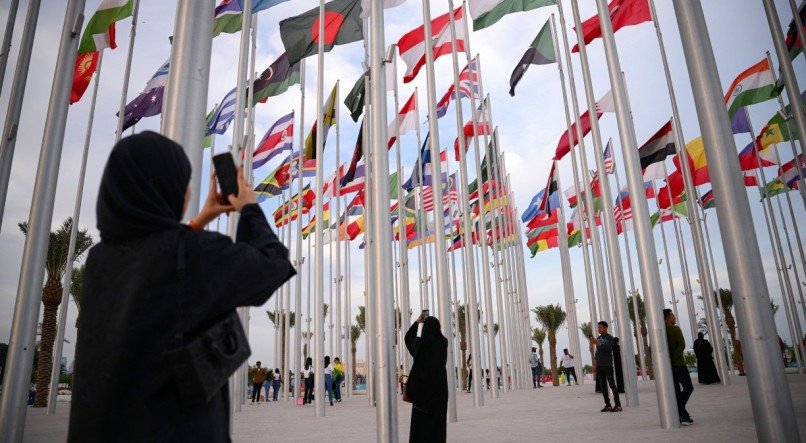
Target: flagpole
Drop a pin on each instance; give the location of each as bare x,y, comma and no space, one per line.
515,308
403,257
639,338
26,308
707,285
678,235
340,347
250,179
667,404
499,293
584,221
565,260
787,72
331,282
348,311
127,73
5,49
298,249
441,256
611,240
520,296
68,268
15,100
470,290
665,246
780,262
769,393
484,267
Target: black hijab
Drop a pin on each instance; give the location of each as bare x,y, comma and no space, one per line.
143,187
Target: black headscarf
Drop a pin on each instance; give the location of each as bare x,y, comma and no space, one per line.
143,187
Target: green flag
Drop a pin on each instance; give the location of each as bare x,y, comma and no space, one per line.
343,25
540,52
355,99
488,12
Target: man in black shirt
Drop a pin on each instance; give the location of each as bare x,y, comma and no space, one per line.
604,364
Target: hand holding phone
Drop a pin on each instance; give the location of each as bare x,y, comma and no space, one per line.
424,314
227,175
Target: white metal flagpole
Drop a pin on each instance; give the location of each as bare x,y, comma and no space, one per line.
298,251
127,73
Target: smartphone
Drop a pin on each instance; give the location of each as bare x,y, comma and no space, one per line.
226,174
425,314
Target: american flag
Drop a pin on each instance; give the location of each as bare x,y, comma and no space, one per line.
449,194
609,164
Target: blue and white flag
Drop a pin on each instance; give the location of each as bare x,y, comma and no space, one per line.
223,115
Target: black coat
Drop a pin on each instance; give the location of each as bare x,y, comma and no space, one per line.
427,385
123,388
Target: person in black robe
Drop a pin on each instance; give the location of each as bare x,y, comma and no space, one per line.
617,368
706,369
130,313
427,385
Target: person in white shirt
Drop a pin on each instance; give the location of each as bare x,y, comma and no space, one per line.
537,368
567,365
329,379
307,376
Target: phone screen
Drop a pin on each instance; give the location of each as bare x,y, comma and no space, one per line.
226,174
425,313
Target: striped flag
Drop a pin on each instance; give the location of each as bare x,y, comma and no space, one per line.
223,115
609,164
412,44
654,152
279,138
468,84
405,121
449,194
755,85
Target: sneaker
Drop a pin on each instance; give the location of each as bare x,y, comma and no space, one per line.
616,408
607,408
686,421
331,402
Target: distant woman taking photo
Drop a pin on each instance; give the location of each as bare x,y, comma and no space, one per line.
158,329
427,385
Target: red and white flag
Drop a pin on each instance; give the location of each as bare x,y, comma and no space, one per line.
412,44
405,121
605,104
622,13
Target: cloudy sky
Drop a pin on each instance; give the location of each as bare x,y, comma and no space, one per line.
530,124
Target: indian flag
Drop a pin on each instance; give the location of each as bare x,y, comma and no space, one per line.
755,85
488,12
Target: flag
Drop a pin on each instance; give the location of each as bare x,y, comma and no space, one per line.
788,172
98,35
358,153
223,115
748,160
707,200
773,188
288,211
412,44
421,173
405,121
279,179
275,80
793,44
778,129
449,194
355,99
488,12
698,163
622,13
739,123
653,153
754,85
279,138
328,120
609,164
605,104
343,25
540,52
551,186
311,226
468,85
229,14
386,5
148,102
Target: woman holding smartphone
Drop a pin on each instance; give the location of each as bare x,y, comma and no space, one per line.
427,384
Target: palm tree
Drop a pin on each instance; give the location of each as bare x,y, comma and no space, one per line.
279,321
552,318
539,337
361,318
587,331
725,298
355,333
77,288
643,328
55,266
306,337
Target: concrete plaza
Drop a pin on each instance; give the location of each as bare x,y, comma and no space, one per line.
553,414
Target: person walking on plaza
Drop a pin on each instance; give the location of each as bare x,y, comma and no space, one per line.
307,376
329,379
604,366
469,373
427,384
706,369
537,369
258,377
153,279
338,377
277,384
567,363
682,379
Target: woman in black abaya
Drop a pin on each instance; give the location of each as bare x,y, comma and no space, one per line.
427,385
706,369
136,300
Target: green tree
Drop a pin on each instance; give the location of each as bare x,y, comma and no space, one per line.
587,331
77,288
642,323
691,359
355,333
552,317
55,266
539,337
725,298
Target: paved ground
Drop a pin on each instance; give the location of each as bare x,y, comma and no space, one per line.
560,414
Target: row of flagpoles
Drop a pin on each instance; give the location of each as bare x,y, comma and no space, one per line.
181,93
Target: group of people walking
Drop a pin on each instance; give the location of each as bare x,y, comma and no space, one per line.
268,380
334,376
